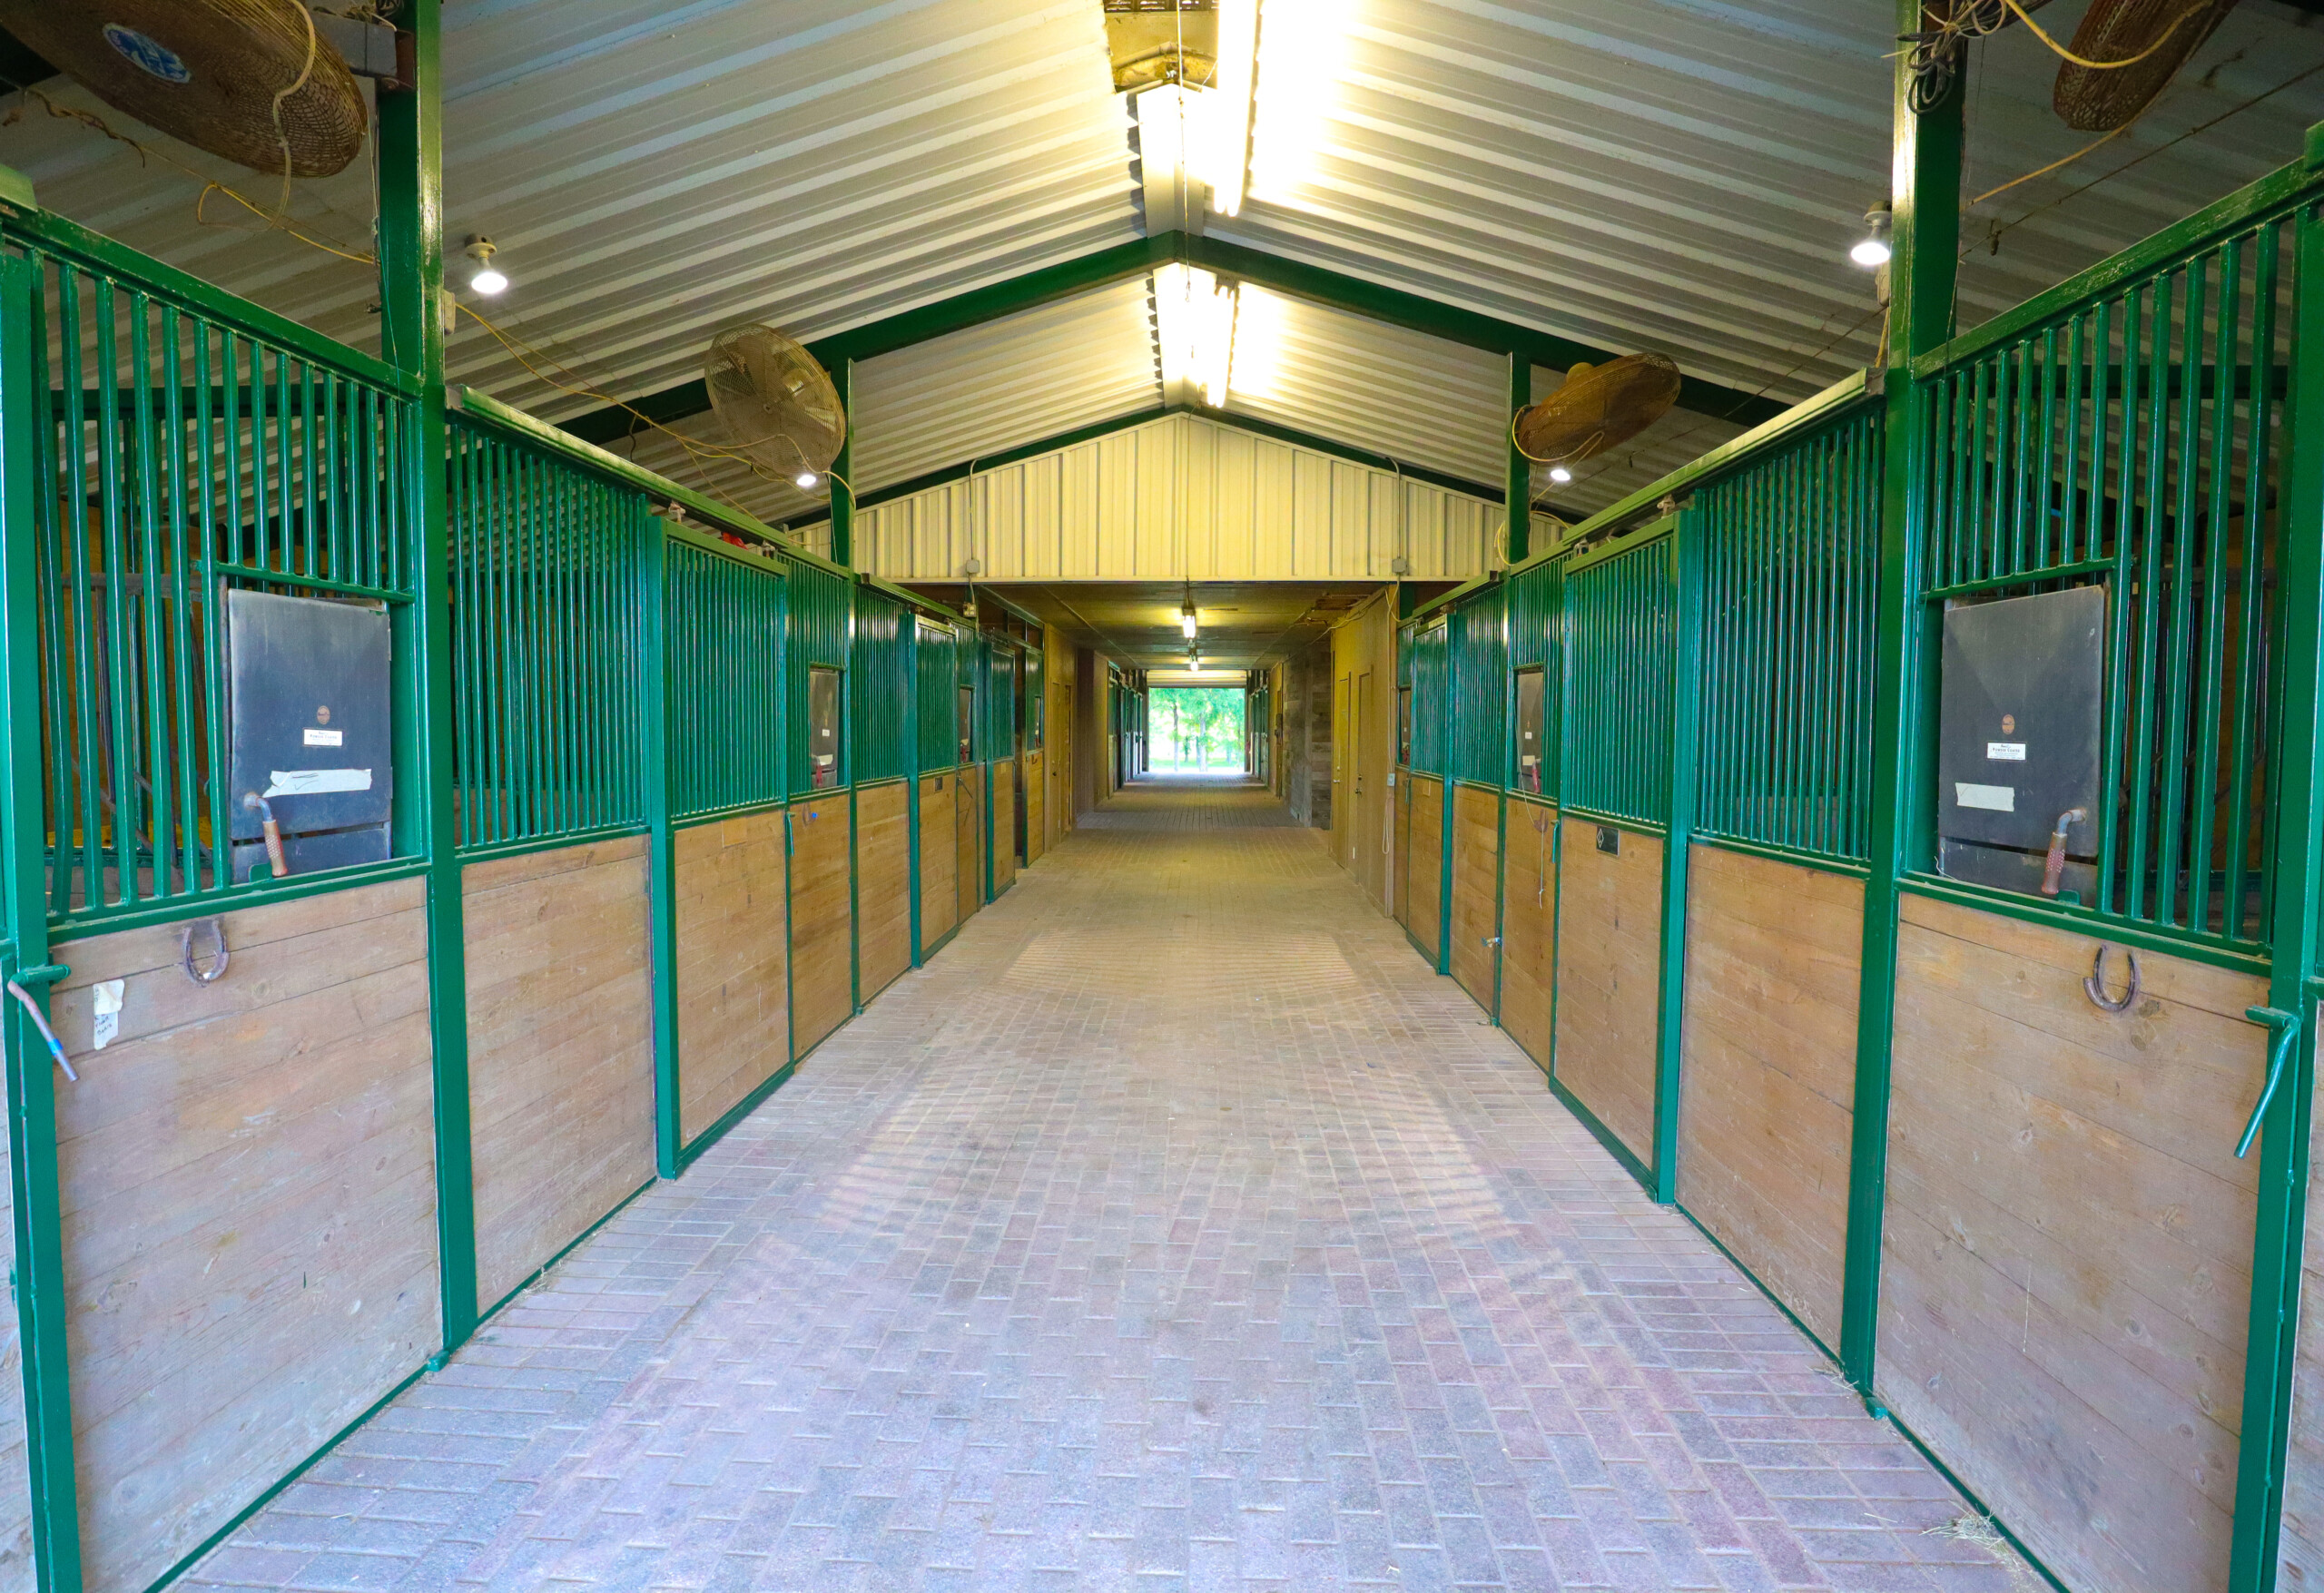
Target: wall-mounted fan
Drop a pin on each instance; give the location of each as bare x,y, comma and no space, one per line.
2154,38
1599,406
251,80
777,405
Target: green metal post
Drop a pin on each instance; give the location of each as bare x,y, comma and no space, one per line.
411,291
39,1281
660,845
2294,934
1926,186
844,470
910,623
1520,475
1684,564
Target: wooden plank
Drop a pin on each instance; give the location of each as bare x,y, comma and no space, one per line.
968,840
2066,1265
17,1572
882,886
940,858
1401,863
1036,806
1767,1077
560,1048
733,960
1426,917
248,1180
1529,948
1004,825
1476,891
823,956
1610,957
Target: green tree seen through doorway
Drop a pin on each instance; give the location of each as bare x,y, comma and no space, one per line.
1195,729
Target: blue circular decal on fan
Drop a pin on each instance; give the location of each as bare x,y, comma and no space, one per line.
148,55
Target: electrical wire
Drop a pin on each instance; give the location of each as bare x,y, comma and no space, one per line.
2161,39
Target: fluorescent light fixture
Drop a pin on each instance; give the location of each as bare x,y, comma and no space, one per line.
1194,318
1186,622
1225,160
1872,250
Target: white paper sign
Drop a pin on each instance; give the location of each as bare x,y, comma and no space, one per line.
2005,752
325,738
107,1008
1994,799
316,781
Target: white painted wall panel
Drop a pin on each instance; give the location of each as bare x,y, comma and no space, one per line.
1178,498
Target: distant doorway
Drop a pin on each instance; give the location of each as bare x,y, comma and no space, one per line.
1196,730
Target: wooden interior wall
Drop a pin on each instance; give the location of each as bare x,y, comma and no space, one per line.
968,840
560,1048
2299,1557
882,885
1060,737
1363,657
1427,914
940,905
1528,924
1610,960
1768,1082
1476,889
247,1179
732,898
1036,805
2068,1238
1004,824
823,971
1400,861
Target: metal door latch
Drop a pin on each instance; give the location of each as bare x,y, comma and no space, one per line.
2285,1026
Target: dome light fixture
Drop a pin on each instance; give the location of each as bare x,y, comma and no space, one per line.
484,276
806,481
1560,475
1871,251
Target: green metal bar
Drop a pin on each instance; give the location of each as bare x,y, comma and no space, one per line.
1517,498
654,716
2218,474
1683,684
2180,659
2251,614
121,720
2270,1361
411,281
148,646
1926,205
2148,661
2018,578
843,470
39,1281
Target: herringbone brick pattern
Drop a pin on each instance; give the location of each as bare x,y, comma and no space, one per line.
1176,1228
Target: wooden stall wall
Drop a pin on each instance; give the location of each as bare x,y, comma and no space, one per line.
940,859
1037,796
247,1179
732,898
1528,924
1768,1078
822,959
2300,1553
1610,961
1427,908
1059,732
1400,857
2065,1275
1363,672
882,885
560,1048
1476,891
1004,824
968,840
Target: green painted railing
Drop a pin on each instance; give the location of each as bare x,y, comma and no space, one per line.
2131,436
547,607
722,644
1791,549
190,444
1616,727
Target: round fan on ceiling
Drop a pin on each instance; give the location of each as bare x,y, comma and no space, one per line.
777,405
251,80
1599,406
2152,38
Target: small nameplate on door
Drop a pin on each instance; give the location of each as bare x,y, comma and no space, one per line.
1993,798
1610,839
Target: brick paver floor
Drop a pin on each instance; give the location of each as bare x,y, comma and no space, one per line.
1176,1227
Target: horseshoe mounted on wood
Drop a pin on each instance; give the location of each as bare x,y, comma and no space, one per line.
2094,987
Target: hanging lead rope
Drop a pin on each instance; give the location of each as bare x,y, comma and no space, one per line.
40,1022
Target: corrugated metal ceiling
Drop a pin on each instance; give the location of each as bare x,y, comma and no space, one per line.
1674,174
